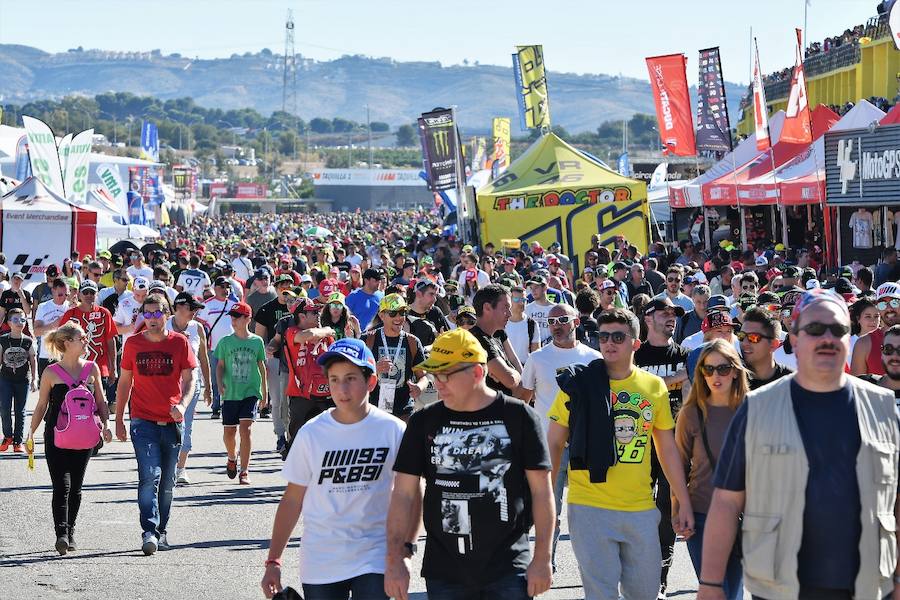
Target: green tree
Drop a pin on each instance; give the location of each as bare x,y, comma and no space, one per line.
406,135
320,125
379,126
288,142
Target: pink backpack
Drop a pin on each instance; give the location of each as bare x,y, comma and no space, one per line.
78,424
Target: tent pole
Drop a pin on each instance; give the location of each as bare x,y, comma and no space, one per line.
743,215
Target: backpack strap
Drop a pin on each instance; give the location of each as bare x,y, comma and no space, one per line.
62,374
86,372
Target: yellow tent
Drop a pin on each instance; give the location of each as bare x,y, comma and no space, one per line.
556,193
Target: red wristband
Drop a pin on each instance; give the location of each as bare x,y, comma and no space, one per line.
273,561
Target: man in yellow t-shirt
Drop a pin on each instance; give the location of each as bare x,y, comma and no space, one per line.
613,525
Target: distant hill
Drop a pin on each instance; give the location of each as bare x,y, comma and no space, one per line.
397,92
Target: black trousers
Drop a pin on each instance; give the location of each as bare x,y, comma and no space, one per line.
664,504
302,410
67,469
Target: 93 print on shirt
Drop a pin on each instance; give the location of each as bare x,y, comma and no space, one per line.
356,465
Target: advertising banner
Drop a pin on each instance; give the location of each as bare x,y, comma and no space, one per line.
23,165
250,190
500,157
624,166
112,182
668,79
149,141
440,148
218,190
863,167
136,215
760,114
75,157
531,84
713,126
43,154
797,128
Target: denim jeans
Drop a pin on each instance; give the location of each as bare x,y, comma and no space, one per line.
13,395
366,587
189,415
156,449
734,574
214,384
559,486
510,587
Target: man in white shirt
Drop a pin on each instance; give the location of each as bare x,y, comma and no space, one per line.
352,257
674,277
540,307
126,317
215,314
138,268
47,316
539,385
193,280
523,331
469,262
242,266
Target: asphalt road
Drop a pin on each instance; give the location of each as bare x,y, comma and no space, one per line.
220,531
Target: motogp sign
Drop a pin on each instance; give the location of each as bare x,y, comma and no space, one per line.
863,166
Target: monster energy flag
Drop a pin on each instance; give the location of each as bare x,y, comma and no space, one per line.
713,127
440,148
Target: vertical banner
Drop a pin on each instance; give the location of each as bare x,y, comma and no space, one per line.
668,79
531,82
500,157
43,154
75,156
760,116
440,148
116,190
149,141
479,153
23,165
713,126
624,165
797,128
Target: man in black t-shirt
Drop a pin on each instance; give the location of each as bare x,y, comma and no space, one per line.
491,305
276,371
15,297
485,463
760,337
426,321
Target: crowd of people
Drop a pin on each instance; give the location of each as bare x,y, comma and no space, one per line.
744,401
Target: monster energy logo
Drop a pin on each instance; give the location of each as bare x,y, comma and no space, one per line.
440,138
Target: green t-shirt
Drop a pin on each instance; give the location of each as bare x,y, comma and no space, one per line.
241,377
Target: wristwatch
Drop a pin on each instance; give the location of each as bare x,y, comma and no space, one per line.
411,548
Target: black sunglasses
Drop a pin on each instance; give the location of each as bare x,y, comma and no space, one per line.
396,313
465,321
617,337
838,330
890,349
722,370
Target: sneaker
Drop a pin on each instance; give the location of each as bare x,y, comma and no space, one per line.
265,413
163,543
279,445
215,414
244,478
150,545
231,468
6,443
662,593
181,477
18,448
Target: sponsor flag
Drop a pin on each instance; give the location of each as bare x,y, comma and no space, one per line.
479,153
797,127
23,165
500,157
668,78
75,156
43,154
658,179
149,141
440,148
624,165
531,81
112,183
713,126
761,117
894,23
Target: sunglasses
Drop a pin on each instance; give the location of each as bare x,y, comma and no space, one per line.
721,370
519,300
156,314
396,313
465,321
236,316
753,338
617,337
335,305
445,377
559,320
96,274
673,280
890,349
818,329
17,320
884,304
609,293
748,288
88,292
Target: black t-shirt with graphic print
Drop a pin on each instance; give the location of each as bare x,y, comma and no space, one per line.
14,365
664,361
477,505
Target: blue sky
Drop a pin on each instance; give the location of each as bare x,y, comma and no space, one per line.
587,36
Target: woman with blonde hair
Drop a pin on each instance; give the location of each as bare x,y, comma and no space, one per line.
719,387
67,467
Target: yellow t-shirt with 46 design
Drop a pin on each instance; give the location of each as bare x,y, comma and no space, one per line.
640,404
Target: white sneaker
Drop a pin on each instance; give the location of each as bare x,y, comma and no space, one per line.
149,546
163,543
181,476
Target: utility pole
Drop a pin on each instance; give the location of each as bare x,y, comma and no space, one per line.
350,149
369,129
289,76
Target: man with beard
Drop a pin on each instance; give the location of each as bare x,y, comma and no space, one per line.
760,336
661,356
867,351
890,359
672,290
425,320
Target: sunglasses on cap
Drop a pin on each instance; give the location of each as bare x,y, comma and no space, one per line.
721,370
753,338
890,349
563,320
156,314
817,329
884,304
617,337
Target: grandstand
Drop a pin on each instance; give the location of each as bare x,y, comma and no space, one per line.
860,63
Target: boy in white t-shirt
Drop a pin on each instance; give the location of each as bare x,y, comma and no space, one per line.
340,474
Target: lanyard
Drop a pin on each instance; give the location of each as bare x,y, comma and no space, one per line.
388,348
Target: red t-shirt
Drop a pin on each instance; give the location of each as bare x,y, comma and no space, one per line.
99,327
156,370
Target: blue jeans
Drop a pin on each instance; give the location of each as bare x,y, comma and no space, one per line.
734,574
559,486
156,449
189,416
510,587
366,587
214,384
13,395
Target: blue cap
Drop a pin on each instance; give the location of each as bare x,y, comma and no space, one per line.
350,349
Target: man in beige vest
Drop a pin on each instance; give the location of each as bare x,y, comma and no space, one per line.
811,462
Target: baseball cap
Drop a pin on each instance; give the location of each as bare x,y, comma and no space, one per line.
813,284
845,271
355,269
141,283
607,284
392,302
223,281
762,261
452,348
717,319
538,280
371,274
466,310
210,258
104,254
20,274
619,265
509,261
188,299
87,284
305,278
351,349
717,302
241,309
552,260
818,296
779,247
451,284
285,278
887,290
307,305
790,298
262,274
662,304
424,284
336,298
792,272
773,273
157,286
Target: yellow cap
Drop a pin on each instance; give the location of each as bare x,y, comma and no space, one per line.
779,247
451,348
392,302
335,297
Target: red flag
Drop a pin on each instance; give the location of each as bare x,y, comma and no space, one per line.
668,78
797,128
761,117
